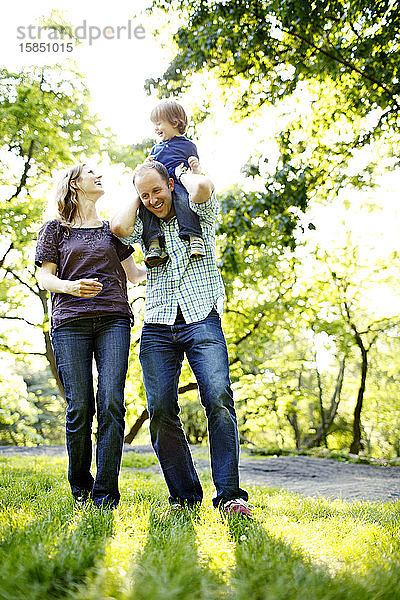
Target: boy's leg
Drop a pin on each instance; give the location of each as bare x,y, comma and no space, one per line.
152,237
151,227
188,221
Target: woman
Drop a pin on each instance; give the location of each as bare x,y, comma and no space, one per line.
85,267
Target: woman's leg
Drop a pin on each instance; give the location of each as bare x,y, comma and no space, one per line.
111,350
73,350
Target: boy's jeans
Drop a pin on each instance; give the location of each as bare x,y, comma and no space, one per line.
161,353
106,338
188,220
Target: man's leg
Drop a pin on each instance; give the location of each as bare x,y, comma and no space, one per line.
205,347
73,350
112,339
161,360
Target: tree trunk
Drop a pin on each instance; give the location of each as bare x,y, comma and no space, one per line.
52,362
134,430
355,444
292,418
331,413
43,295
321,403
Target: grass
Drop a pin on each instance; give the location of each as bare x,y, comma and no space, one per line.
295,548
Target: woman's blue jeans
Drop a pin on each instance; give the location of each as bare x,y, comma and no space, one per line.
75,344
162,350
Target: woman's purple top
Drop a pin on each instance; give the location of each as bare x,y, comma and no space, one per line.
85,253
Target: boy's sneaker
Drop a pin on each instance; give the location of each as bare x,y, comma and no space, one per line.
155,257
238,507
197,247
81,498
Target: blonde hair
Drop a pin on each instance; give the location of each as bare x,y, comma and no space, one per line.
171,111
67,195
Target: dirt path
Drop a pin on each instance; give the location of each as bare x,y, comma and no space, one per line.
302,474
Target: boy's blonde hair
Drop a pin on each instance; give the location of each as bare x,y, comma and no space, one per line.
171,111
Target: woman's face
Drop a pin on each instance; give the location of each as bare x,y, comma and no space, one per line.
90,183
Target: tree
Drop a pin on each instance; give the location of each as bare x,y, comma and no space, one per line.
338,59
275,46
44,124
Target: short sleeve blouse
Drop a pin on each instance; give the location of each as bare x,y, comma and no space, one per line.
82,253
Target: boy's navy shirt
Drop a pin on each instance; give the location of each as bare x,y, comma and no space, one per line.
173,152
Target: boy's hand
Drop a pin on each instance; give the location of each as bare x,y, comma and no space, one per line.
194,165
180,170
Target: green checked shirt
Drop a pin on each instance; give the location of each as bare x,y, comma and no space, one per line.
195,284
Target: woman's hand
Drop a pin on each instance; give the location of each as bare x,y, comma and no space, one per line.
83,288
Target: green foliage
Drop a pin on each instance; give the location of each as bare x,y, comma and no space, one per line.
31,409
133,155
275,46
135,460
45,124
333,66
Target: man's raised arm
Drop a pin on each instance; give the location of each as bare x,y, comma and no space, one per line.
123,222
199,187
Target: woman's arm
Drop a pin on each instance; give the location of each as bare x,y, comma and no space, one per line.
134,273
122,223
83,288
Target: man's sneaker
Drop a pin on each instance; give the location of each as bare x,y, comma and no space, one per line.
155,257
197,247
238,507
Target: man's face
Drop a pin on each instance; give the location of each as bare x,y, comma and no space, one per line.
156,194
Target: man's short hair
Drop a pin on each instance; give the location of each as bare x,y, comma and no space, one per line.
171,111
152,165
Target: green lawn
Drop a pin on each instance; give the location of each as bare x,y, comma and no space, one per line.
295,548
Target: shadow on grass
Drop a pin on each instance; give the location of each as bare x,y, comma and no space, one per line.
53,548
267,568
169,566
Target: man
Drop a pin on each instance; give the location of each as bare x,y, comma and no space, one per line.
184,300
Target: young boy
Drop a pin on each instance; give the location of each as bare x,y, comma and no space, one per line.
175,148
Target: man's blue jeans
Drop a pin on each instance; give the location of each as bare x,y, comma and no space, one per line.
162,350
75,344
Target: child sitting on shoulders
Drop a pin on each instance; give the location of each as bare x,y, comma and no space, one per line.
175,148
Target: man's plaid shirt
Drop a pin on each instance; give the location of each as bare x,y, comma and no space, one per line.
195,284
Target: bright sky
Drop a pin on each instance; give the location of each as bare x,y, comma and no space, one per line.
115,72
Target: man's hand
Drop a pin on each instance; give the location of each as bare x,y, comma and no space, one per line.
199,187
